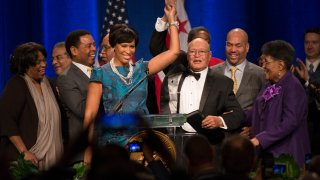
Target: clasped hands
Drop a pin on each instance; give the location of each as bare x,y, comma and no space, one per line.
29,156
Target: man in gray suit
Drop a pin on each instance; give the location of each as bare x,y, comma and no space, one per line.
73,82
248,77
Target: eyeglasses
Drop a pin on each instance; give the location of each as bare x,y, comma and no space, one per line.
193,52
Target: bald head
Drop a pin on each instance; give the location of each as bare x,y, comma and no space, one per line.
237,46
239,32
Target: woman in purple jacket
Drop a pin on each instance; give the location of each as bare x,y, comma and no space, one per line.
279,115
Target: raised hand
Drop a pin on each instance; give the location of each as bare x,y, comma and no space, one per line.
302,70
170,12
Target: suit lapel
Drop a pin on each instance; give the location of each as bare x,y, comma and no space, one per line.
222,68
78,72
208,84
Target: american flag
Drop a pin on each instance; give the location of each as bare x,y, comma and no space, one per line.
116,13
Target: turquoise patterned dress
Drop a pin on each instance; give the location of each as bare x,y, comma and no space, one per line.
113,91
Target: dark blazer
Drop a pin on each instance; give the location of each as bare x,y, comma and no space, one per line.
314,112
217,98
19,116
252,81
73,86
64,117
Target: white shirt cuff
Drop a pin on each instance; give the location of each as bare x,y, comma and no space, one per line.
224,124
187,127
160,25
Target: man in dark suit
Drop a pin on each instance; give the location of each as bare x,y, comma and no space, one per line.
72,83
158,44
309,75
248,76
206,91
60,62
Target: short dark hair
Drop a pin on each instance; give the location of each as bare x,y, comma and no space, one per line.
198,150
194,33
279,50
122,33
312,30
73,39
24,56
237,154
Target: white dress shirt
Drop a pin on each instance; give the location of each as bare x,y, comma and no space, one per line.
190,97
160,25
315,64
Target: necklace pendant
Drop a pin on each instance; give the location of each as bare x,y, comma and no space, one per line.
128,81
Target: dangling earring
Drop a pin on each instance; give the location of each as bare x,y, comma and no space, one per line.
279,74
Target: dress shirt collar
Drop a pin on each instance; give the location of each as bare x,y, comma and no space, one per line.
315,64
203,73
83,68
240,67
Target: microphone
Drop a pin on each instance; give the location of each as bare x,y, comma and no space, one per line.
119,104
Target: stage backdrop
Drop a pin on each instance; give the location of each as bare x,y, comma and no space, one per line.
49,21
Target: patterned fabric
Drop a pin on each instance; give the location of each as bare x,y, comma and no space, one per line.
113,91
233,70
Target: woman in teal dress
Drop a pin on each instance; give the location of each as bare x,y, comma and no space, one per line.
113,80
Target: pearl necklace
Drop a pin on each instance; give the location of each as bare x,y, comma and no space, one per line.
128,79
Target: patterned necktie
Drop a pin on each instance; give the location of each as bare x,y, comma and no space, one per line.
89,69
233,70
311,69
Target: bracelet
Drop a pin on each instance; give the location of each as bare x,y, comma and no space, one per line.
175,23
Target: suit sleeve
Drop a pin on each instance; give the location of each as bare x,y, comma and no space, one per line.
71,96
234,116
11,106
292,117
157,43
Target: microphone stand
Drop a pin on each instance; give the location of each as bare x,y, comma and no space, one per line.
119,105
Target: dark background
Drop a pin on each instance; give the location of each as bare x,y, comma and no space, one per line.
49,21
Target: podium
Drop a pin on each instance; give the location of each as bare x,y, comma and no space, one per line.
171,126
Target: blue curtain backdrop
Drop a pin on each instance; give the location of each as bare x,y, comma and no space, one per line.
49,21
